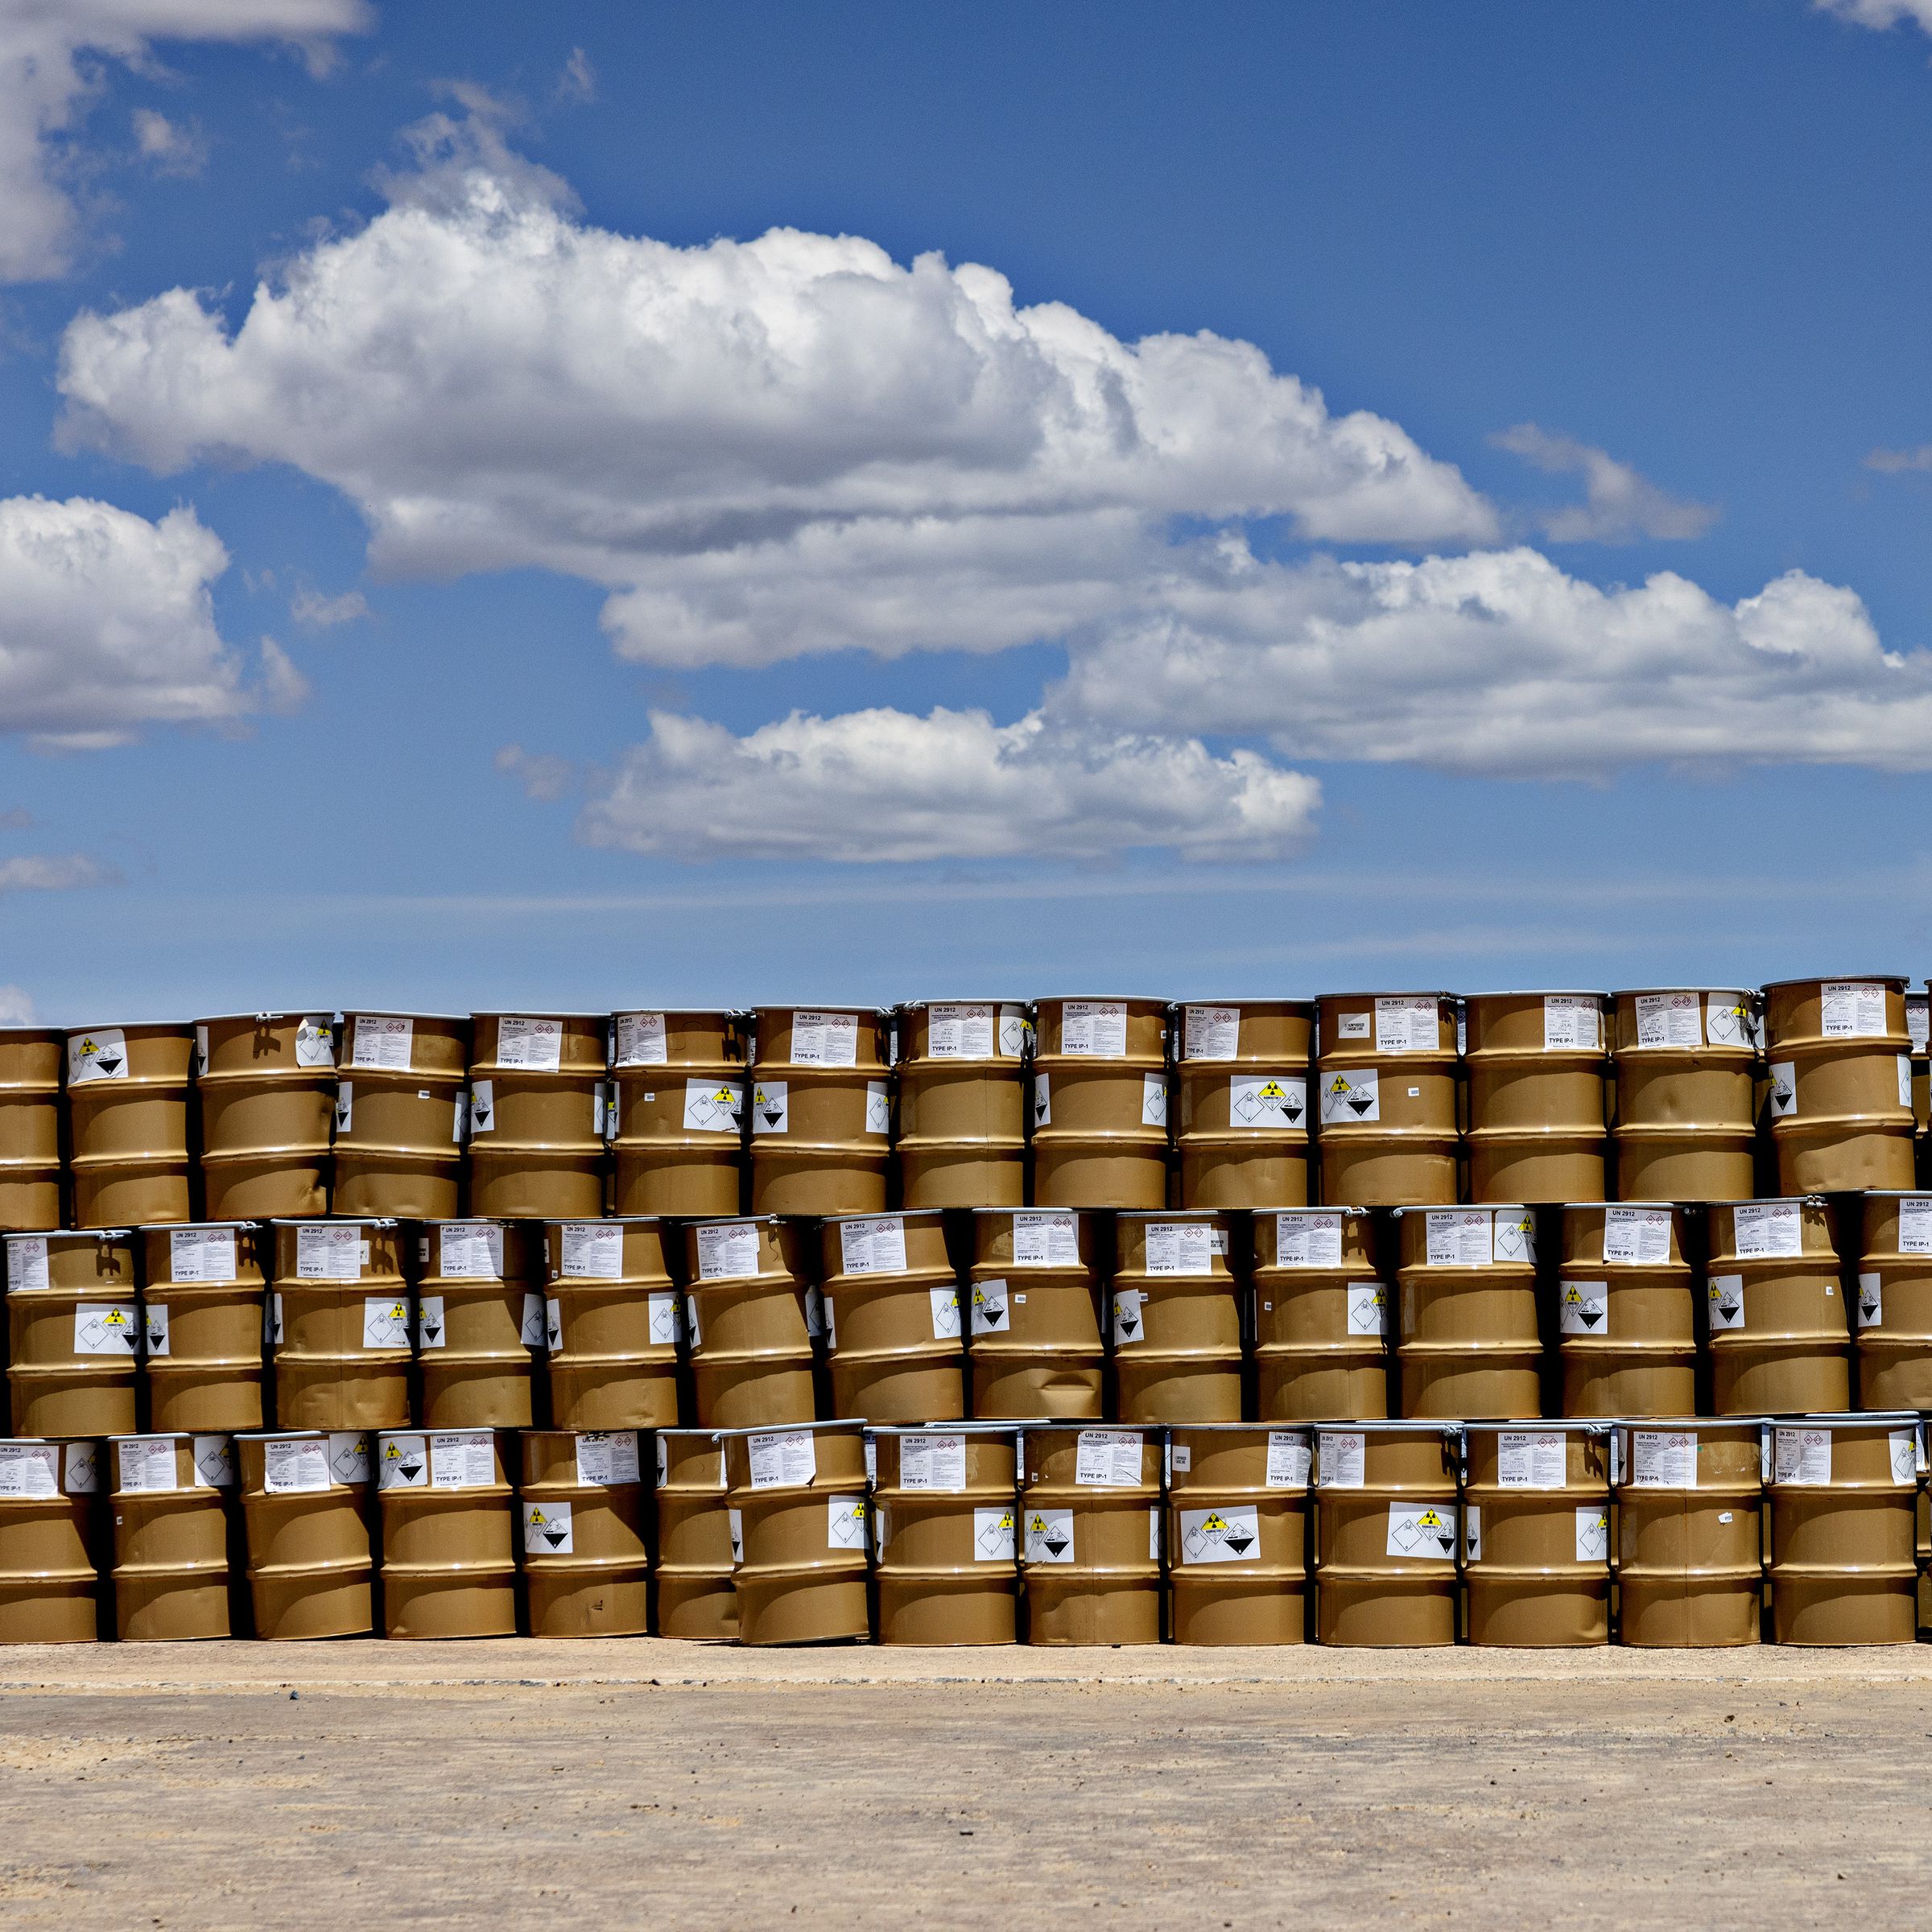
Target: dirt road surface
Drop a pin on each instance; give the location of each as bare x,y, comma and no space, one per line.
520,1784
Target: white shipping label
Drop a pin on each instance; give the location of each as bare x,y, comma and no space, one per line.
1154,1534
1050,1536
1016,1030
215,1461
1915,1225
1288,1459
871,1462
535,1045
1852,1009
993,1535
845,1522
295,1465
531,1330
155,1323
99,1055
959,1033
1128,1326
1663,1458
403,1462
991,1308
736,1525
663,1461
553,1324
1459,1237
825,1039
1354,1096
1640,1236
879,1107
641,1040
1181,1247
770,1107
1801,1456
1784,1089
713,1106
107,1329
145,1464
1583,1307
593,1251
945,1313
1044,1240
663,1315
785,1460
546,1530
1211,1033
1272,1101
1530,1459
1153,1099
462,1459
345,1105
201,1254
1107,1459
1571,1020
1917,1022
1593,1532
1353,1025
81,1468
30,1470
1472,1533
875,1245
1181,1458
933,1461
1426,1531
1905,1082
1668,1019
1515,1234
380,1039
349,1455
1905,1453
605,1456
1096,1028
1725,1294
26,1261
481,1110
470,1251
1728,1021
1368,1308
1773,1230
385,1321
1228,1535
1407,1025
329,1251
1310,1238
1871,1302
1343,1454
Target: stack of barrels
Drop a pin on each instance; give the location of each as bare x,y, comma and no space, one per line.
1546,1317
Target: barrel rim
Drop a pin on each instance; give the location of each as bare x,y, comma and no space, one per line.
1174,1214
806,1006
582,1220
1272,1428
1306,1208
332,1220
186,1226
1848,1419
1759,1201
165,1435
280,1435
1493,1207
279,1012
1630,993
959,1428
1565,1206
395,1012
488,1429
1388,1425
839,1422
184,1026
882,1214
1896,1194
46,1027
1901,980
92,1234
42,1442
1538,992
1143,1430
1592,1425
916,1005
1420,992
1075,1211
1689,1421
1242,1005
524,1013
726,1013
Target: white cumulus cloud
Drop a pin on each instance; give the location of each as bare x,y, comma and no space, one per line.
107,624
761,448
45,84
169,147
1895,462
885,785
1879,13
1620,506
1500,663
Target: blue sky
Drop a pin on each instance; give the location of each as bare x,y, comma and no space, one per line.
1300,717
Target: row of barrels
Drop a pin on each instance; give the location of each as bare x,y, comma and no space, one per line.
1383,1100
1018,1314
1378,1533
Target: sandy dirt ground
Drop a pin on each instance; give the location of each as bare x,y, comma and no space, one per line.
520,1784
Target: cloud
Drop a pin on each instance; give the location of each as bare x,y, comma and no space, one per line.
62,872
17,818
1879,13
46,83
16,1006
883,785
1892,462
107,624
760,448
579,79
308,607
1619,505
169,147
1499,663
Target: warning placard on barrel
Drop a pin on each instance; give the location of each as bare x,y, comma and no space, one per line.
1049,1536
385,1321
546,1530
933,1461
30,1469
1095,1028
1530,1459
1768,1230
1106,1459
993,1535
959,1033
875,1243
945,1303
605,1456
295,1465
642,1039
1310,1238
770,1107
825,1039
991,1308
1127,1326
470,1250
462,1459
845,1522
784,1459
1571,1020
1668,1019
1725,1295
1407,1024
329,1251
1276,1101
146,1463
1425,1531
1852,1009
1354,1096
1871,1304
382,1040
592,1250
201,1254
1801,1456
27,1262
107,1329
534,1044
1180,1246
1211,1033
712,1106
403,1462
1044,1240
1288,1459
1637,1236
1228,1535
1343,1454
1583,1307
1663,1458
99,1055
349,1455
214,1457
1459,1237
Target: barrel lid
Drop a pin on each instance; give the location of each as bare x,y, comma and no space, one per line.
334,1220
1103,999
281,1013
941,1428
146,1025
1570,1425
1841,1418
728,1012
1075,1211
1304,1208
1171,1214
185,1227
1847,979
525,1013
1769,1200
1271,999
1631,993
915,1005
821,1006
1381,1426
72,1234
884,1214
1420,992
848,1421
1690,1422
1479,1207
398,1013
597,1221
428,1429
1540,993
